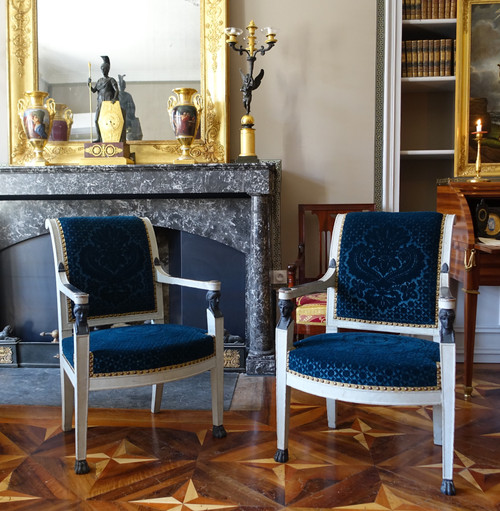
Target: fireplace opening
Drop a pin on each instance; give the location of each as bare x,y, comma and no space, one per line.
28,303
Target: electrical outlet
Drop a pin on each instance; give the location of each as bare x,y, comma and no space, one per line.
278,277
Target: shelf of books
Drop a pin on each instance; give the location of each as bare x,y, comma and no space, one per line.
427,57
429,9
427,100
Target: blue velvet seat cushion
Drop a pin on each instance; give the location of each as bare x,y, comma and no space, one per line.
143,348
368,359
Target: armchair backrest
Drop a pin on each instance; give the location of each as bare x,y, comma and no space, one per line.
111,259
389,270
320,238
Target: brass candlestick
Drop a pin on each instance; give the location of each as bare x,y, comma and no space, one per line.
478,178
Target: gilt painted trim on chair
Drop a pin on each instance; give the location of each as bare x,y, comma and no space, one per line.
367,387
438,272
71,318
146,371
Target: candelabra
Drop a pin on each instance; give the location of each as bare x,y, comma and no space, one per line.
479,135
250,83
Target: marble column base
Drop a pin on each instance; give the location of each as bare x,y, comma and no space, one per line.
261,364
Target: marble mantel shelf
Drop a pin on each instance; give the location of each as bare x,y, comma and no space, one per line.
235,204
249,178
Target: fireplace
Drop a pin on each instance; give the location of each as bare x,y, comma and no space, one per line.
236,205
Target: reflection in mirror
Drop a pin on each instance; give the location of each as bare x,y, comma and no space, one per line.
156,148
152,50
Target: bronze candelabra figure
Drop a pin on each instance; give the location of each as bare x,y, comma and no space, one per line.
249,82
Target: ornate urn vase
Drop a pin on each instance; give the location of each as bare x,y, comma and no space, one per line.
37,111
185,115
61,127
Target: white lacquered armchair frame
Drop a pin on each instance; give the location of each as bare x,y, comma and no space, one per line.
75,381
442,399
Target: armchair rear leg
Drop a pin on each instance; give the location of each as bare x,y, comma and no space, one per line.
331,413
216,380
67,394
157,393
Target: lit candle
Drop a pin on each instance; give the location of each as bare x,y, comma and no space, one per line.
478,125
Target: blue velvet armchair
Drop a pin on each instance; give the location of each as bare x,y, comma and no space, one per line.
389,325
112,326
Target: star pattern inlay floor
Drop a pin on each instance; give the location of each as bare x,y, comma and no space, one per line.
378,458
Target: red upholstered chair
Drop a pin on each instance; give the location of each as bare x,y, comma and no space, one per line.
315,227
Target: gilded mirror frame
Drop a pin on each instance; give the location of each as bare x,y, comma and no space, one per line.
212,147
465,119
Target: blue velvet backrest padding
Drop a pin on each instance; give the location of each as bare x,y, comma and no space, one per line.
388,268
110,259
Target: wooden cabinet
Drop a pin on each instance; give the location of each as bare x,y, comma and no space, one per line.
427,109
473,263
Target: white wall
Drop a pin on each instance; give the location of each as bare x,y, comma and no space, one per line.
315,108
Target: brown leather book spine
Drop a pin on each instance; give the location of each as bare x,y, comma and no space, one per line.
425,57
420,58
424,13
434,9
453,8
448,57
441,9
414,59
404,65
437,56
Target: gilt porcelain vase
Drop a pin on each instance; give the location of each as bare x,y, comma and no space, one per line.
36,111
185,114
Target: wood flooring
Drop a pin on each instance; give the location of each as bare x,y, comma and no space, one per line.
377,459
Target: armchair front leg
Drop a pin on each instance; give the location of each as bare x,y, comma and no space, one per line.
284,341
215,321
448,358
81,350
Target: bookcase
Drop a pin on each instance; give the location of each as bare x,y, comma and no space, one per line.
427,100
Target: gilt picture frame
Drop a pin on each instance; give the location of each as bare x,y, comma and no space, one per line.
477,87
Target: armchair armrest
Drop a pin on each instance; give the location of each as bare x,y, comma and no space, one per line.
78,297
163,277
72,292
317,286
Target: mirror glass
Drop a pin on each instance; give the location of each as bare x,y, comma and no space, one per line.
150,49
155,46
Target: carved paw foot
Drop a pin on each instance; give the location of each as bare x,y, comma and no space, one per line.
219,431
447,487
281,456
81,467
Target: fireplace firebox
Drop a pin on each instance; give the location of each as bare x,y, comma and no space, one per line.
214,205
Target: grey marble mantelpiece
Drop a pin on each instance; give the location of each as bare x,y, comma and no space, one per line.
234,204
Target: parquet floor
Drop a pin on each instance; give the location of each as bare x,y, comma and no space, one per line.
378,459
